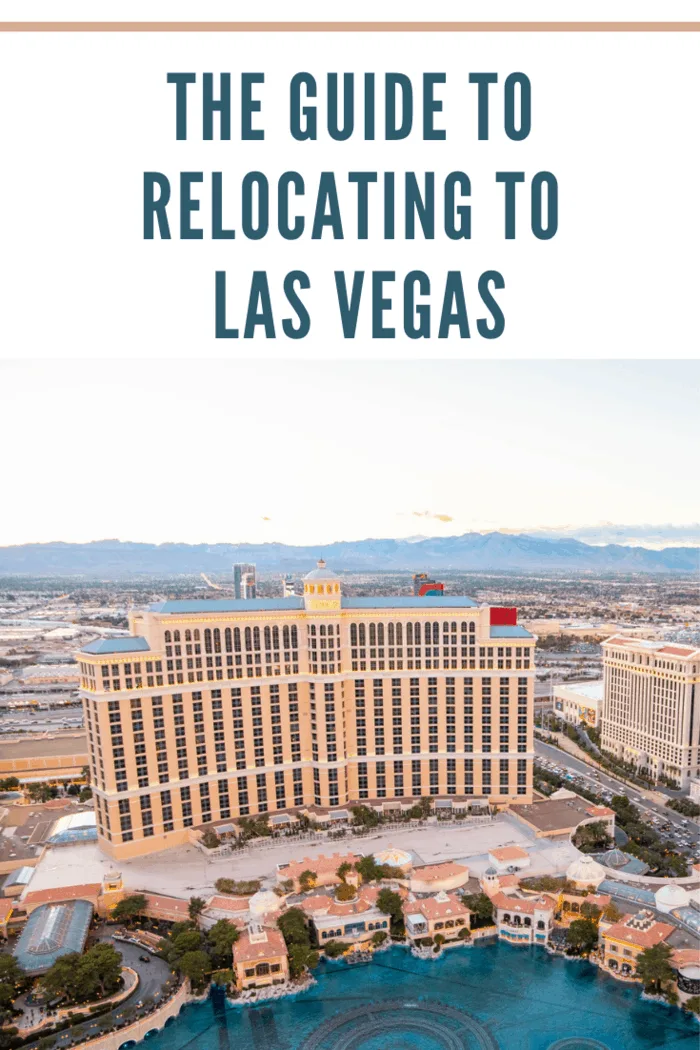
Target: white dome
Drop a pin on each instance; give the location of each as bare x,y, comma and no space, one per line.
585,871
395,858
670,897
322,572
262,902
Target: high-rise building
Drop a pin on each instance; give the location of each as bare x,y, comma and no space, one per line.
243,580
651,706
216,709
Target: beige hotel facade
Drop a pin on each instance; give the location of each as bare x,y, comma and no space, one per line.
651,706
216,709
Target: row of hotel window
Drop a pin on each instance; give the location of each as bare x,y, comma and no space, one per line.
258,748
165,772
142,807
499,658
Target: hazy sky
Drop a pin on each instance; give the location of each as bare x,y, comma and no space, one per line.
302,452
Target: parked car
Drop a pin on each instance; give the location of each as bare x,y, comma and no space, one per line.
144,958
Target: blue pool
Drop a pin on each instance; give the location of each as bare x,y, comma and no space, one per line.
489,997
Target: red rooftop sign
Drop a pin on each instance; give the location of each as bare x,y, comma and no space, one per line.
502,617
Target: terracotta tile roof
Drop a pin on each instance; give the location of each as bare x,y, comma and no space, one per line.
322,865
655,934
601,811
675,651
326,905
509,853
443,906
224,903
685,957
86,891
155,902
522,905
252,947
435,872
6,906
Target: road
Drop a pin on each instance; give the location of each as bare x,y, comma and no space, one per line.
618,787
152,977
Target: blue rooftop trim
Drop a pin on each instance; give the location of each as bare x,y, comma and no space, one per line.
104,646
253,605
448,601
223,605
512,631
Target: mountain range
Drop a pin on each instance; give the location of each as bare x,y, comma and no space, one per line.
472,551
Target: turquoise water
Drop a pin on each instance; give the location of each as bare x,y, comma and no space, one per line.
489,997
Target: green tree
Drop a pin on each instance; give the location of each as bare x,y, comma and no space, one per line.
582,935
197,966
343,870
344,892
223,977
128,908
590,911
307,880
378,937
104,964
292,925
464,934
196,907
10,971
9,784
391,904
220,941
654,966
480,906
365,817
78,978
692,1004
368,868
592,837
85,794
187,941
301,958
332,949
210,840
612,913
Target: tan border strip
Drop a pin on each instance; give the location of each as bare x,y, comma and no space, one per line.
349,27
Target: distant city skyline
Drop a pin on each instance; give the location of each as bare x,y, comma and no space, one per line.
298,452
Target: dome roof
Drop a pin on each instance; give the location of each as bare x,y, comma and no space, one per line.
490,871
615,858
585,871
262,902
670,897
395,858
322,572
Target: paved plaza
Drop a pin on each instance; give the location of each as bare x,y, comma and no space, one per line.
186,871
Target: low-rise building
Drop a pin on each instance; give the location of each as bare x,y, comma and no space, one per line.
444,914
354,921
260,958
623,941
578,703
431,878
324,868
561,814
509,859
523,920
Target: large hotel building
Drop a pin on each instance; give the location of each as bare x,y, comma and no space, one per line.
218,709
651,706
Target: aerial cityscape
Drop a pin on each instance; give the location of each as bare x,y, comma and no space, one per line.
231,796
324,732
